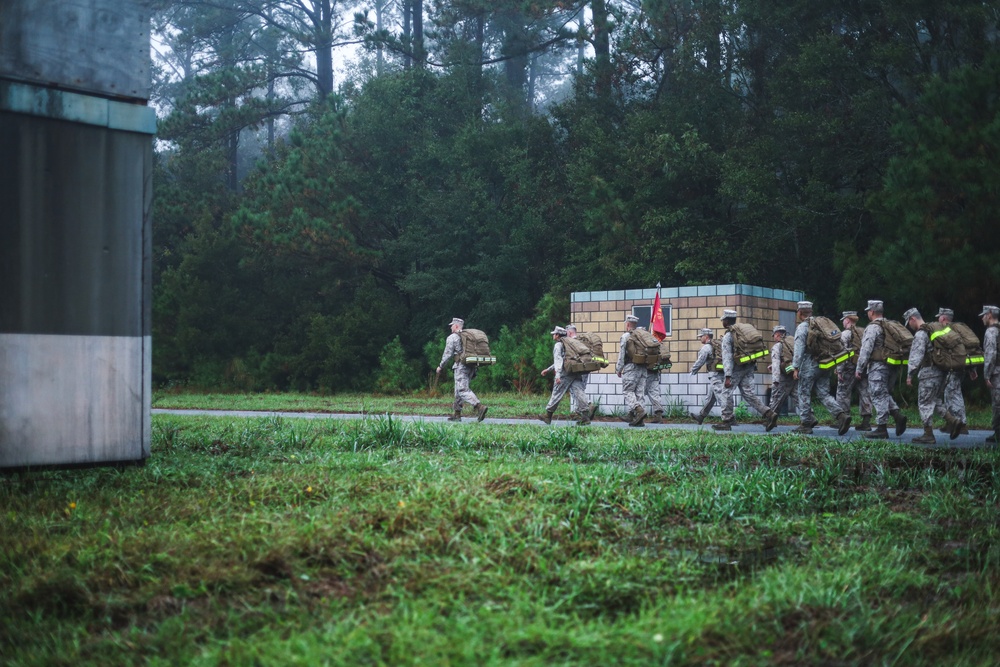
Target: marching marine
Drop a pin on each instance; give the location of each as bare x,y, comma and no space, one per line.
783,382
742,376
991,365
573,406
954,402
809,375
711,359
566,382
872,362
931,379
846,380
463,374
633,376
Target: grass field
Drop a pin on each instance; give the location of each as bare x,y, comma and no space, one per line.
271,542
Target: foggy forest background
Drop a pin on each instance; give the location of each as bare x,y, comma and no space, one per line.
334,182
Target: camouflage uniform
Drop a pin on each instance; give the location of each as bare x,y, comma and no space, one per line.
880,374
633,378
566,382
782,385
715,380
991,371
740,375
651,391
846,380
930,378
954,401
463,373
811,376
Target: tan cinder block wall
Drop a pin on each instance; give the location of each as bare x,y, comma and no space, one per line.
692,308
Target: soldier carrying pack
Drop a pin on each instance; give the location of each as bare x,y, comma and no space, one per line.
787,355
643,349
973,346
475,348
584,353
895,349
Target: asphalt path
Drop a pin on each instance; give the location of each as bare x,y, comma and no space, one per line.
975,439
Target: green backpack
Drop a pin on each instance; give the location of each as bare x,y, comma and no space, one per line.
895,349
748,343
579,356
475,348
973,346
947,347
642,348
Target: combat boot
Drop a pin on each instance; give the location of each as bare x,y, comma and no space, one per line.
481,412
927,438
953,424
991,439
880,432
699,418
900,419
637,417
770,420
457,417
803,429
724,425
591,412
583,418
843,423
547,417
811,423
866,423
657,417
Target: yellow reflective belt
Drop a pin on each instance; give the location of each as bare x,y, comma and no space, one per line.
971,361
935,334
751,357
828,364
897,362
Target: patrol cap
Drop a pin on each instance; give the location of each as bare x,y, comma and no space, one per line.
912,312
457,320
570,327
853,314
705,332
874,304
559,331
946,312
990,310
804,305
728,314
779,328
631,318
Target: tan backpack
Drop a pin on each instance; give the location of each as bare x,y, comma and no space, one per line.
596,345
973,346
947,347
579,357
748,344
642,348
895,349
475,348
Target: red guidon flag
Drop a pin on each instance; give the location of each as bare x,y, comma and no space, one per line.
658,326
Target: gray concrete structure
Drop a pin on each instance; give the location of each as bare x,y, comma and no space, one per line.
75,233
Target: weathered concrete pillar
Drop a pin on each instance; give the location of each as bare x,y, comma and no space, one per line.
75,232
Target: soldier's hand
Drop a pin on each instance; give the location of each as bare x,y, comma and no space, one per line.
857,374
909,380
438,371
973,375
728,383
988,383
620,374
558,380
795,374
545,371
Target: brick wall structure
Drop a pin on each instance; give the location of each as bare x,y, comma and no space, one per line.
690,309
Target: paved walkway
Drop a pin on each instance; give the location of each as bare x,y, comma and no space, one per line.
974,440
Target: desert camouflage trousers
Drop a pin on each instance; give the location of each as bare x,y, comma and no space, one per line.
713,394
930,394
744,379
651,391
781,390
633,385
463,375
811,376
575,385
846,383
995,395
880,379
953,399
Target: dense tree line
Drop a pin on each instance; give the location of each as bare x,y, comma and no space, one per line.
484,159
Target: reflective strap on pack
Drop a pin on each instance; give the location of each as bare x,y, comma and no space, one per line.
935,334
897,362
757,355
972,361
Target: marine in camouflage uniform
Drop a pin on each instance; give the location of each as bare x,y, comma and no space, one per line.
880,375
633,376
783,382
573,405
991,365
954,401
742,376
651,392
706,358
463,374
573,383
846,381
930,380
809,375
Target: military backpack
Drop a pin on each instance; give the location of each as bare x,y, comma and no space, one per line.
579,356
748,343
947,350
973,346
596,345
825,344
475,348
896,343
642,348
787,355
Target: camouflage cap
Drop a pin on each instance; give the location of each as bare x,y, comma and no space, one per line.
874,304
804,305
631,319
945,312
779,328
559,331
728,314
852,314
912,312
705,332
570,327
990,310
457,320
